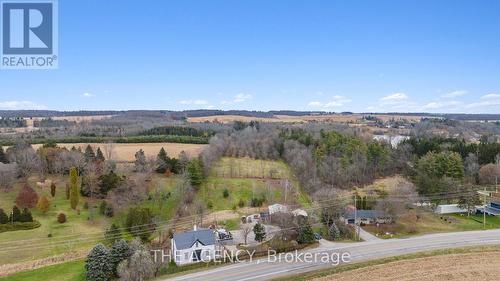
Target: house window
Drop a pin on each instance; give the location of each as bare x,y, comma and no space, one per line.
186,256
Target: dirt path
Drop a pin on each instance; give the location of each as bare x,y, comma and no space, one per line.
462,267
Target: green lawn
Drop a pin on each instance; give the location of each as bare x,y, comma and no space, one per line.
247,178
79,232
433,223
69,271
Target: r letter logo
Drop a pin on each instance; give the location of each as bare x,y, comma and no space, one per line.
29,34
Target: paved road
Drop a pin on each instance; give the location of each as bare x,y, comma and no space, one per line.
262,269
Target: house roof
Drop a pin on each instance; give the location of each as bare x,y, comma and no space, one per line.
186,239
365,214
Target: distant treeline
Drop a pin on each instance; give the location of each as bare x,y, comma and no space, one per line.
211,112
12,123
178,131
129,139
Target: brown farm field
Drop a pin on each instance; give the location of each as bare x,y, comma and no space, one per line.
345,118
125,152
467,266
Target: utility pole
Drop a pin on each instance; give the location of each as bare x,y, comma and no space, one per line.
484,209
356,216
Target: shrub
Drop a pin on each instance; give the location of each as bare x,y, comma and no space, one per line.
26,216
241,203
140,267
210,204
16,214
306,234
27,197
139,222
119,252
43,204
97,265
260,232
53,190
257,202
225,193
19,226
3,217
61,218
333,232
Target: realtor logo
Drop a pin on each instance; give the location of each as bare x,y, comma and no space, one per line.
29,34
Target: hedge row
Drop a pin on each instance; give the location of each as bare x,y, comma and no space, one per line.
19,226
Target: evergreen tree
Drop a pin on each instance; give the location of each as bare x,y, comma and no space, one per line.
306,233
16,214
3,217
334,232
99,155
26,216
89,154
73,188
259,231
194,173
3,156
43,204
97,265
119,252
162,161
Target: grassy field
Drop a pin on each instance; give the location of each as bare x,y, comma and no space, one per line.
246,178
125,152
432,223
68,271
77,233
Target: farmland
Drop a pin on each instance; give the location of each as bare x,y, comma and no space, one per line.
466,266
125,152
344,118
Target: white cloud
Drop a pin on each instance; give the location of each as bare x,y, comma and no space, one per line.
336,101
239,98
194,102
88,95
19,105
396,98
447,105
242,97
454,94
490,96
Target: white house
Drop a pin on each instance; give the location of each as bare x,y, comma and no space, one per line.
193,246
277,208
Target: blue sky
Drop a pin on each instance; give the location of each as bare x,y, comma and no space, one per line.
377,56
